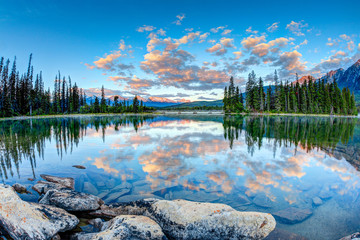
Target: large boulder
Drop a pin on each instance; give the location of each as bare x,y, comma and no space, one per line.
22,220
126,227
65,181
181,219
71,200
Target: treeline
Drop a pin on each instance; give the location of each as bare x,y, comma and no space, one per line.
118,106
25,94
311,97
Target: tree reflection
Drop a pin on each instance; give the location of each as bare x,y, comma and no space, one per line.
306,132
25,139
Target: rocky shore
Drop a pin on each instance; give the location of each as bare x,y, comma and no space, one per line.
61,210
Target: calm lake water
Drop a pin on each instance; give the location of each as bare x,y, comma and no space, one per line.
262,164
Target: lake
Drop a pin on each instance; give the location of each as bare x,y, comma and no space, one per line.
265,164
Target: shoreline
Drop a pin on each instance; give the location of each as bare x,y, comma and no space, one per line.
171,113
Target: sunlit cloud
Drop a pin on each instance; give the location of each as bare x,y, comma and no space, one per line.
297,27
273,27
145,28
180,18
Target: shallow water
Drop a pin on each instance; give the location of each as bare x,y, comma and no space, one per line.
262,164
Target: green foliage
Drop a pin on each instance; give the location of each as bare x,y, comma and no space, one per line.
311,97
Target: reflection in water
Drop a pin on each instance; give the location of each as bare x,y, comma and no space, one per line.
251,163
308,133
26,139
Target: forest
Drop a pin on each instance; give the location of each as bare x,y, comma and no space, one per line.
311,97
25,94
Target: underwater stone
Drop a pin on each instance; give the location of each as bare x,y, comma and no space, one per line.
292,215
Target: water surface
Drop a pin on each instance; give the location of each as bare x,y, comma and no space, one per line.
262,164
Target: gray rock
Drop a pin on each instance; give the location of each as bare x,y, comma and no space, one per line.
354,236
97,223
134,197
20,188
317,201
292,215
127,227
41,187
22,220
90,188
262,200
103,194
71,200
181,219
65,181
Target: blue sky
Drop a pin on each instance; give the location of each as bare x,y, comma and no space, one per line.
178,49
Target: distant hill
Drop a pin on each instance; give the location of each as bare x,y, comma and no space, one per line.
216,103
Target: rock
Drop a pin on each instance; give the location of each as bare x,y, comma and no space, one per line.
110,183
41,187
115,195
242,200
126,227
90,188
103,194
292,215
317,201
131,198
354,236
79,166
262,200
31,179
71,200
65,181
22,220
325,193
122,186
20,188
281,234
97,223
181,219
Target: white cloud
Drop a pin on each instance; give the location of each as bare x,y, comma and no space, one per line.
273,27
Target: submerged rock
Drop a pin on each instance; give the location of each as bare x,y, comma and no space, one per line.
126,227
115,195
181,219
65,181
262,200
292,215
22,220
79,166
20,188
354,236
71,200
317,201
90,188
281,234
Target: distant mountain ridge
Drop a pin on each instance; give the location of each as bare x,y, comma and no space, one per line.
345,78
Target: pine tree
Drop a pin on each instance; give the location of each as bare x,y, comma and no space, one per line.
103,101
261,95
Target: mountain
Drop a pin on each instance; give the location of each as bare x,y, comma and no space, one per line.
216,103
149,102
345,78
